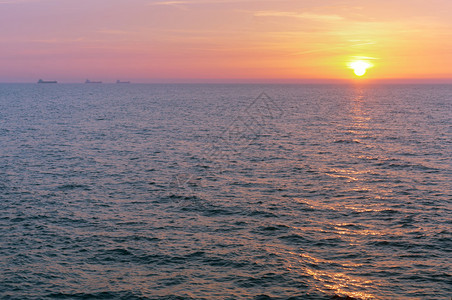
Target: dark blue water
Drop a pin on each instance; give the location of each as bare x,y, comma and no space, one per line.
205,192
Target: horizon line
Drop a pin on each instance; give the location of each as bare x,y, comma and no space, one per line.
261,81
432,80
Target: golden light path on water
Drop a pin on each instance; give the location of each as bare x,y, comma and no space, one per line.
342,283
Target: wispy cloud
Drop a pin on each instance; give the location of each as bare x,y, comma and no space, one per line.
209,2
307,15
58,41
329,49
115,32
17,1
168,3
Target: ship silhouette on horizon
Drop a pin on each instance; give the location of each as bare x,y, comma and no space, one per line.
47,81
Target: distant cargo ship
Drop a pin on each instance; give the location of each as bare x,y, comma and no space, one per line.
119,81
47,81
89,81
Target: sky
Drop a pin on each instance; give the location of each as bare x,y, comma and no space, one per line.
224,40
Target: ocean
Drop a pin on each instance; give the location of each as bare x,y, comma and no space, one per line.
218,191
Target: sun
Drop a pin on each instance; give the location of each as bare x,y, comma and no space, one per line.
359,67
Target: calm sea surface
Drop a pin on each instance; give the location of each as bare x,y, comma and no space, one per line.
221,192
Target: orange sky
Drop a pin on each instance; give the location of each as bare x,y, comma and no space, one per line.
147,41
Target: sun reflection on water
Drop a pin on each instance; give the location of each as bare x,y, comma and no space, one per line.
342,284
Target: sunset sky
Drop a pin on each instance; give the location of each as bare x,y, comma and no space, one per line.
153,41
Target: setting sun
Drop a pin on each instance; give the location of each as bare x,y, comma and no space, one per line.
360,67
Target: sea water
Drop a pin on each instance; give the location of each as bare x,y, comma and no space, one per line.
225,191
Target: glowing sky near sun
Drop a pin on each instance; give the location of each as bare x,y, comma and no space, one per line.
145,40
